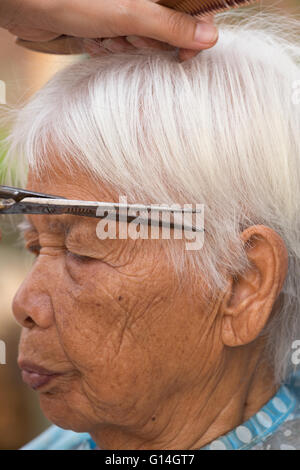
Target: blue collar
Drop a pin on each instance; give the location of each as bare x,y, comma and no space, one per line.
259,426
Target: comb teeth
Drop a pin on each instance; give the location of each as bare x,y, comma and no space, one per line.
204,7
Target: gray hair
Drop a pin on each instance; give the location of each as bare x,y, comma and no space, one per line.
221,129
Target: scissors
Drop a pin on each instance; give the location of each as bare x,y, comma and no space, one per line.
20,201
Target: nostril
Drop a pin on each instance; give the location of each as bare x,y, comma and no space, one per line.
28,322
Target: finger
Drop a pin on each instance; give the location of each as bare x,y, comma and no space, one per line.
134,17
145,43
187,54
30,34
117,45
209,18
93,48
60,45
97,47
170,26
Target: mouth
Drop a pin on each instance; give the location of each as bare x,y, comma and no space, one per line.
36,376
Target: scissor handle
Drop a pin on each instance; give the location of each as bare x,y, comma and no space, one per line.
17,194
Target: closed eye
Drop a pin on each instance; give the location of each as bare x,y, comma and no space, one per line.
79,258
33,245
35,248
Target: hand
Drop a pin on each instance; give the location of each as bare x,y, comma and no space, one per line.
160,27
123,44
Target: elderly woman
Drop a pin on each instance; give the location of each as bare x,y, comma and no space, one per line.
142,343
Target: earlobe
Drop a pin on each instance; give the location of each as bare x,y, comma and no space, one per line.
249,298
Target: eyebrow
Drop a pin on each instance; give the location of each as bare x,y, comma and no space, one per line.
53,225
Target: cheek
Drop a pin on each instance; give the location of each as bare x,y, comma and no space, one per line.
92,317
119,331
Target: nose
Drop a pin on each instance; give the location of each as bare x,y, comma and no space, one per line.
32,305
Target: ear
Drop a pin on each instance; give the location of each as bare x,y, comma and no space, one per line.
248,302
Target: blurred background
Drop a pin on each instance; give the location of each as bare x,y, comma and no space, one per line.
23,73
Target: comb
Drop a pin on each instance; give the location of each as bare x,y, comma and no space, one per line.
198,8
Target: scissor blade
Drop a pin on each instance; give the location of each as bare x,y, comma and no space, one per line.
119,212
108,206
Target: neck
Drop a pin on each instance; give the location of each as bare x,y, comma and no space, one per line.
192,419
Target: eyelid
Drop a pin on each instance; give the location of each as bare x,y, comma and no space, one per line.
81,252
77,257
33,245
77,247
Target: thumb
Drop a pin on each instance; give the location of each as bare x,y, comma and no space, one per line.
174,27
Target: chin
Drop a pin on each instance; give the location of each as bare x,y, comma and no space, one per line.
58,409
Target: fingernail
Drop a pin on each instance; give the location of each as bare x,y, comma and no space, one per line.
137,42
206,33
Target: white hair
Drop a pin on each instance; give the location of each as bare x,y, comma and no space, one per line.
221,129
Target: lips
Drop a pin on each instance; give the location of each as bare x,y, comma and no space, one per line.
36,381
36,376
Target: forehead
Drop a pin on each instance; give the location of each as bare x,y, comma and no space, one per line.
70,184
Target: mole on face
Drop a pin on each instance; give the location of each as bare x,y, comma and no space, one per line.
120,297
153,418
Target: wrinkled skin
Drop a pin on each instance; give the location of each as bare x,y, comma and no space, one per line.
144,365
